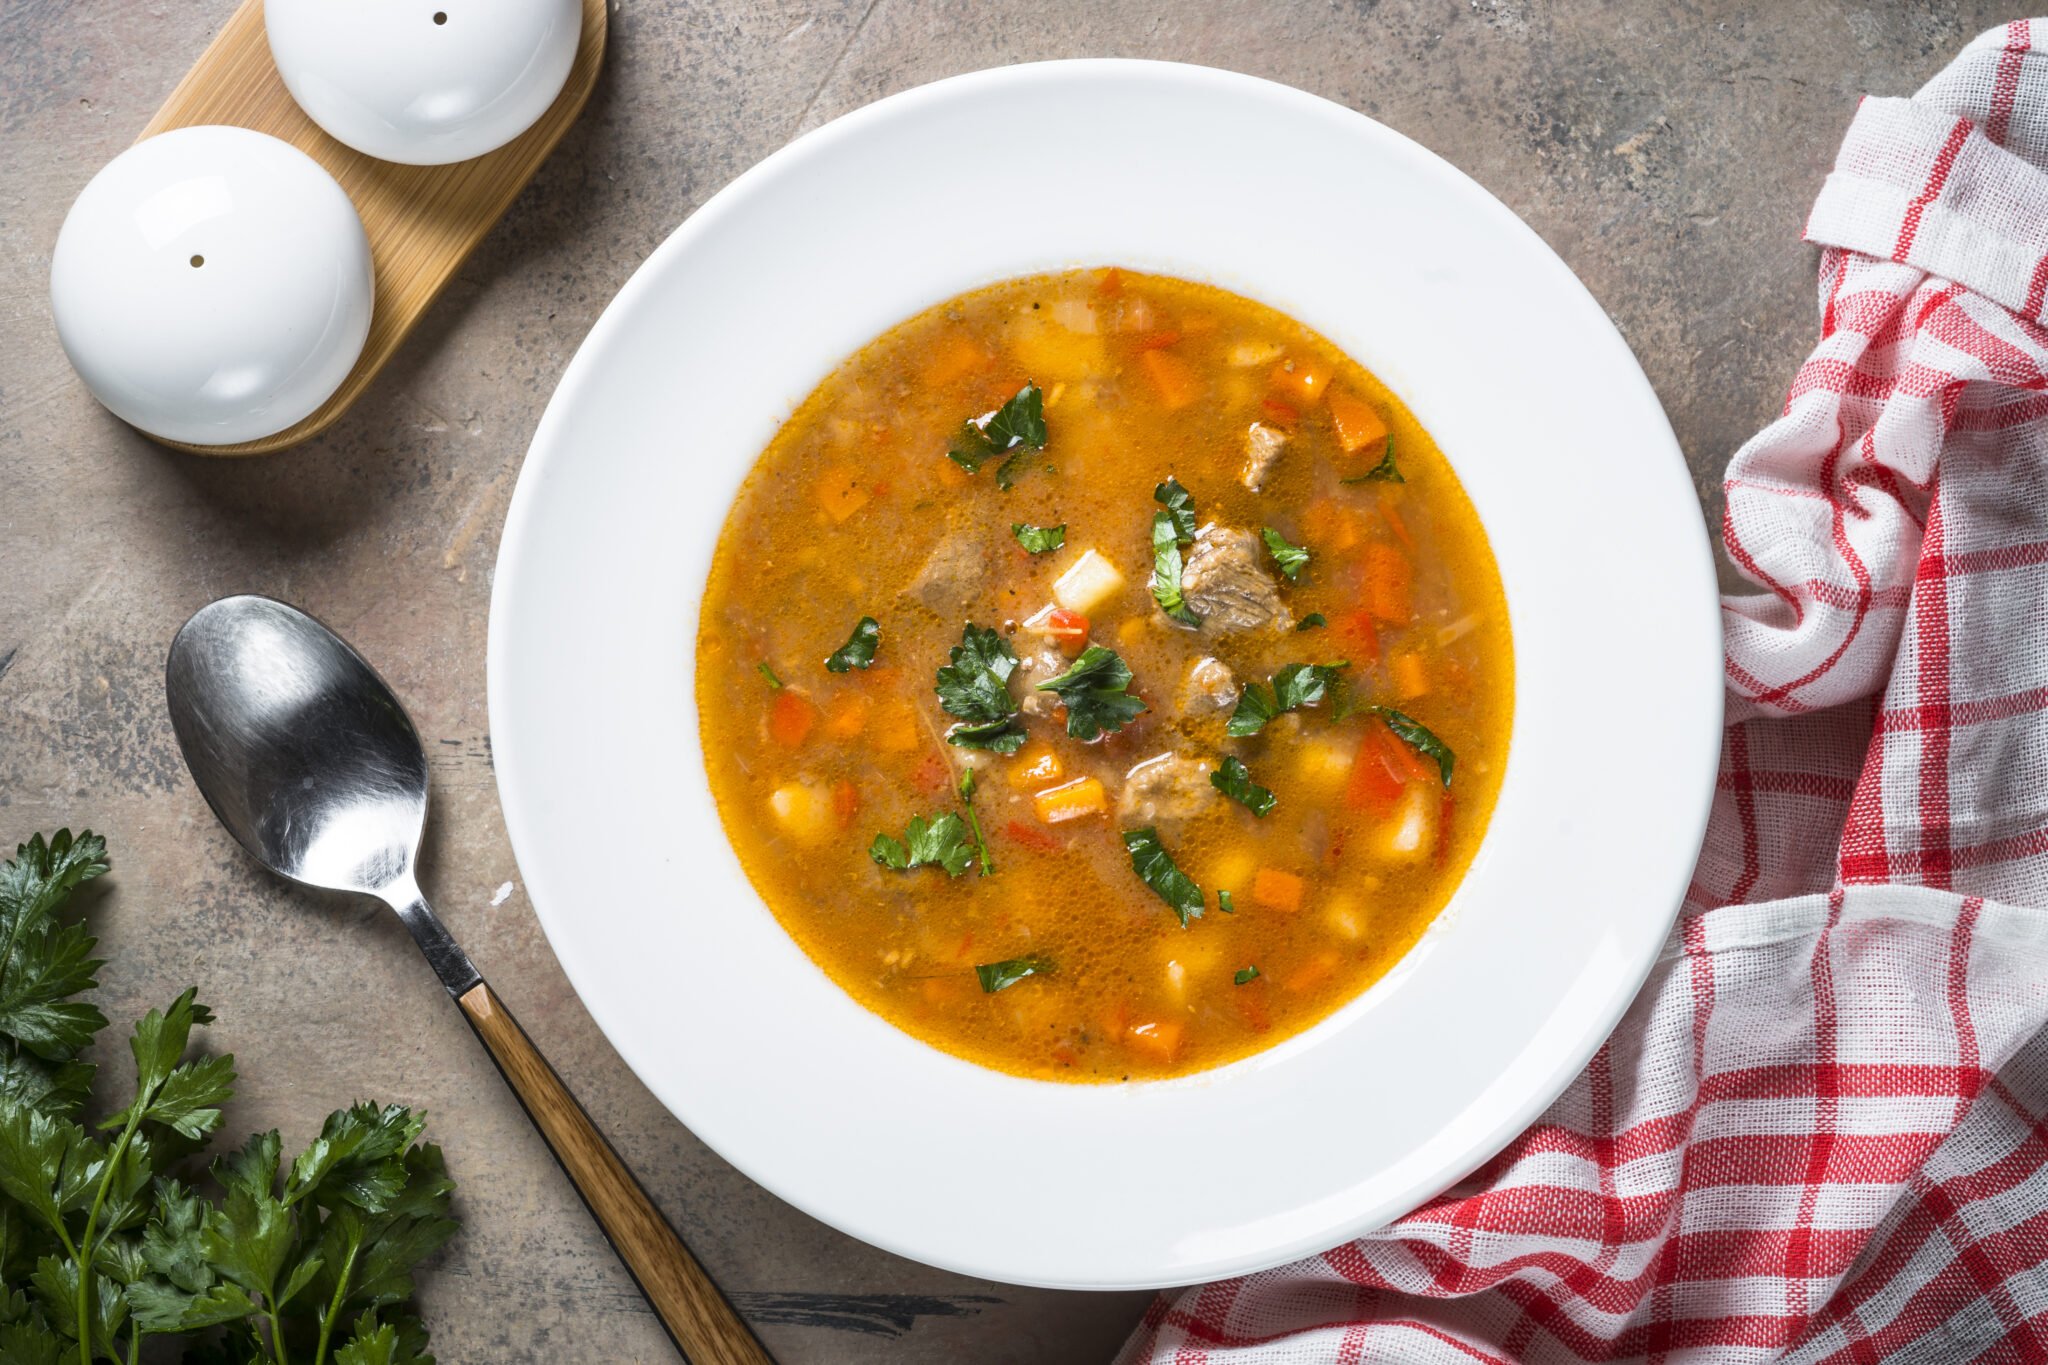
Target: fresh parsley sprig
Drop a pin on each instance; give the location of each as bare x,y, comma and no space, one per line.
1417,736
1290,559
975,687
940,841
1293,687
110,1247
1155,867
1039,540
1013,431
1172,528
1234,780
1095,690
859,649
996,976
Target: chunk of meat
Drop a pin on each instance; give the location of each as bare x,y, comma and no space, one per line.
1210,686
1262,447
954,578
1223,582
1165,787
1034,669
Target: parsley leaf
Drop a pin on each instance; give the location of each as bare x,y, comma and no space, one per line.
997,976
1094,689
938,842
1155,868
1234,780
1384,472
859,649
1039,539
1311,622
975,686
765,671
988,864
1295,686
1172,529
1246,975
1014,429
1418,736
1291,559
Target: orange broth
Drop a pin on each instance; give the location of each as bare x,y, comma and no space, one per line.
1086,969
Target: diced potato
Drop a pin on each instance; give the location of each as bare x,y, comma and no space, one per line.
804,810
1322,766
1247,355
1076,315
1088,583
1232,871
1034,768
1176,979
1051,353
1344,917
1071,801
1411,833
953,358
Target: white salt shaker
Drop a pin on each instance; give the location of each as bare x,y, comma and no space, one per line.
424,82
212,285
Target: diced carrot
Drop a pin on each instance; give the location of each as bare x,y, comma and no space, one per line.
1311,973
1068,629
1358,427
1388,579
845,803
1357,627
1062,1055
1111,284
1389,509
1158,1039
1329,525
931,774
790,718
945,990
1153,341
841,492
896,728
846,715
1373,786
1300,380
950,474
1033,837
1172,377
1411,676
956,357
1277,890
1403,759
1278,413
1070,801
1034,768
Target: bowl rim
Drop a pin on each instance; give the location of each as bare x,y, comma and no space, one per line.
1447,1162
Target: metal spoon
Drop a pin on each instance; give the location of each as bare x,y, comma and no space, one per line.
314,767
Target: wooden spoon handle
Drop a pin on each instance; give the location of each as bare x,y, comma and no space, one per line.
703,1325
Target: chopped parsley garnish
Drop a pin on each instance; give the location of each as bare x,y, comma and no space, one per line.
1013,430
1293,687
1384,472
1094,689
938,842
1246,975
859,649
988,864
1234,780
765,671
1039,539
975,687
1156,869
1311,621
996,976
1291,559
1226,903
1417,736
1172,529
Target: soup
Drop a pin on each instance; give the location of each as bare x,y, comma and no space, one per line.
1103,677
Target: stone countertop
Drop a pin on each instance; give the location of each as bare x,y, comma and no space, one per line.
1669,153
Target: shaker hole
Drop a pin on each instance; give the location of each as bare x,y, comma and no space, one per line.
440,16
198,261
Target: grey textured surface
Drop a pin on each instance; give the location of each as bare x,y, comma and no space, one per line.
1669,151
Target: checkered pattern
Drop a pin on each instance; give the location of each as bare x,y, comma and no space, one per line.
1821,1132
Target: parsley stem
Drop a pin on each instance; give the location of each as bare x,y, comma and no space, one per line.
82,1253
348,1267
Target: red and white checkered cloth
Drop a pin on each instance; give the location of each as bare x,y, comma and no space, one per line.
1821,1132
